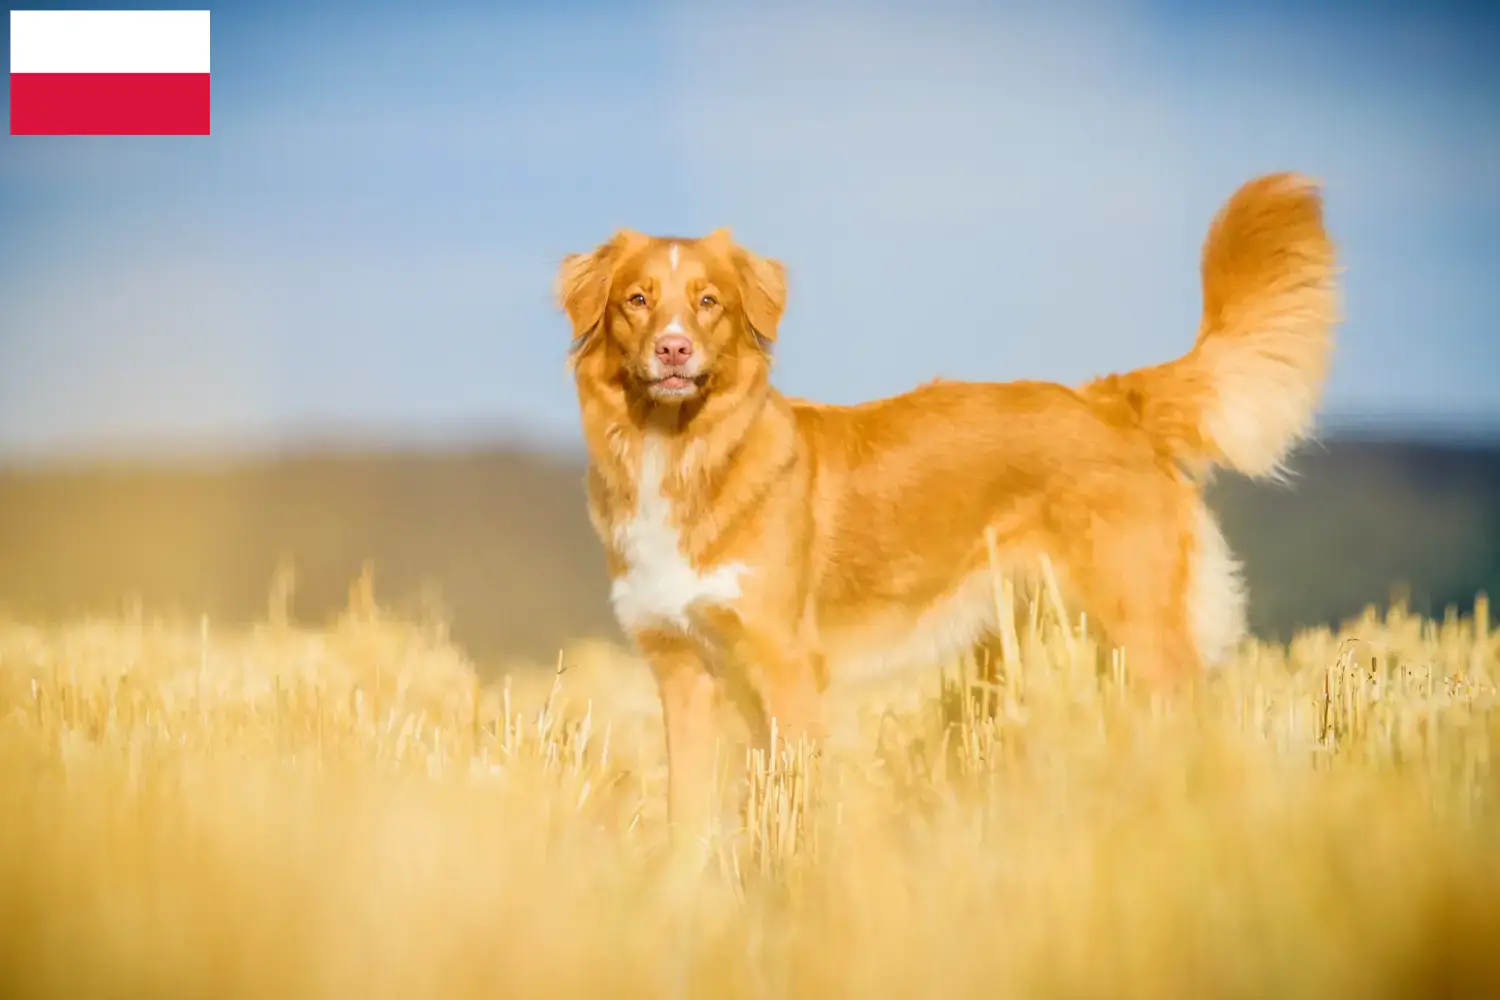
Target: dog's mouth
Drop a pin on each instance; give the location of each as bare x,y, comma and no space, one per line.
675,386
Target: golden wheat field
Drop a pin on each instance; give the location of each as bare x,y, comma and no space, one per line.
350,812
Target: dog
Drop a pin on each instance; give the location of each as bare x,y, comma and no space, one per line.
775,543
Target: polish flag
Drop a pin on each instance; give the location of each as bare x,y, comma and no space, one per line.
109,72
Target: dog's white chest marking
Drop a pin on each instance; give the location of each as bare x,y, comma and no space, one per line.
660,585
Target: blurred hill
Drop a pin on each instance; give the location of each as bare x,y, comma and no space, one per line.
1360,519
497,541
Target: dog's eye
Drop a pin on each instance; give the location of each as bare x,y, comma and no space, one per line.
638,300
707,302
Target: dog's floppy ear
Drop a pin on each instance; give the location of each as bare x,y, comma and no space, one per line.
582,284
762,287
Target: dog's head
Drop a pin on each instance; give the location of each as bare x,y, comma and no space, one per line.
676,320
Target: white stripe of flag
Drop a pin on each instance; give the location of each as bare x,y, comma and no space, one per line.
109,41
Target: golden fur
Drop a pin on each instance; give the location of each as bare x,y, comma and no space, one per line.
777,544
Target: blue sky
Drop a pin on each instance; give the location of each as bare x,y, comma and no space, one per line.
366,243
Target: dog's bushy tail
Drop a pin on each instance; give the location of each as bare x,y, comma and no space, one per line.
1249,389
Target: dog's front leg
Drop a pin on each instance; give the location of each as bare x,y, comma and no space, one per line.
686,688
781,671
788,680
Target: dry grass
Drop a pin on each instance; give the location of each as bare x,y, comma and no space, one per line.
350,813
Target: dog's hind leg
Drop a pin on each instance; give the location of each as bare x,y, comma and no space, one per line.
1136,584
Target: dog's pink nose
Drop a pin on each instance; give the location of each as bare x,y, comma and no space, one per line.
673,349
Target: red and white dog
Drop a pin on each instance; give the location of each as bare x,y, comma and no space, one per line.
774,543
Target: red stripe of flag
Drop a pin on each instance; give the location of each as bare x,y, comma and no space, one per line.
109,104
